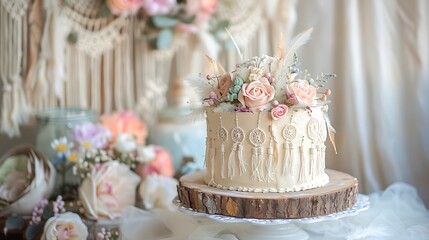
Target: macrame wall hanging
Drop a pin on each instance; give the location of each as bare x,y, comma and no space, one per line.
85,59
98,58
13,62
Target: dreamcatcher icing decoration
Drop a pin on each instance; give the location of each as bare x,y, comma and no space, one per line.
212,155
222,134
313,134
237,136
289,134
13,50
257,138
302,177
269,162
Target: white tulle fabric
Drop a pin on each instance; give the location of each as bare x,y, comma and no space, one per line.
396,213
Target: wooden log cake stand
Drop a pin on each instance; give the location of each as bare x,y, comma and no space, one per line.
336,196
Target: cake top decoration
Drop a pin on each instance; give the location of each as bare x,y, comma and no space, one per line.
265,83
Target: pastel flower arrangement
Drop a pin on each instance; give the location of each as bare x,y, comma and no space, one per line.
162,17
111,160
266,83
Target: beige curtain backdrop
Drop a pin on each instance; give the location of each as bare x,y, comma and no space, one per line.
379,51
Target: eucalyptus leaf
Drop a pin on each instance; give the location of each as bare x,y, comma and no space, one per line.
164,21
188,20
48,212
15,223
164,39
104,11
34,231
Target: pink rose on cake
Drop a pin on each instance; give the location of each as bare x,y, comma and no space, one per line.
123,7
222,88
302,91
279,110
256,94
108,189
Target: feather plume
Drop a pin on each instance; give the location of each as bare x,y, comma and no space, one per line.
224,107
197,114
200,85
235,44
331,132
296,43
280,52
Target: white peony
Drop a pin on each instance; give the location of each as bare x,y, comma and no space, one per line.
65,226
106,191
125,143
146,154
158,192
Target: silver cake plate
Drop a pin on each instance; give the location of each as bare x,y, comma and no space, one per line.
277,228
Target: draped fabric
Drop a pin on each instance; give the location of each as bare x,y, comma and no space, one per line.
395,213
379,51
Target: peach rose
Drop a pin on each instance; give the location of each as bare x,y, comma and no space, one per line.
256,93
125,122
304,92
120,7
279,111
222,88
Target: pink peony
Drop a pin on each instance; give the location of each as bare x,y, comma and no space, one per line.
161,164
158,7
302,91
279,111
122,7
125,122
256,93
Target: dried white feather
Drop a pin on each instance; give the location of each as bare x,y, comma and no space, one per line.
235,44
200,85
280,52
224,107
296,43
198,114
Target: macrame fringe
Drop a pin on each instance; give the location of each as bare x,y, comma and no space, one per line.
13,45
255,162
212,162
240,159
269,163
231,161
312,163
302,173
285,158
222,149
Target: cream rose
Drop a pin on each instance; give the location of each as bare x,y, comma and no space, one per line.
304,92
256,93
65,226
158,192
125,143
222,88
106,191
279,111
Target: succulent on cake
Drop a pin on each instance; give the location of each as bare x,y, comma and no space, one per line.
266,83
